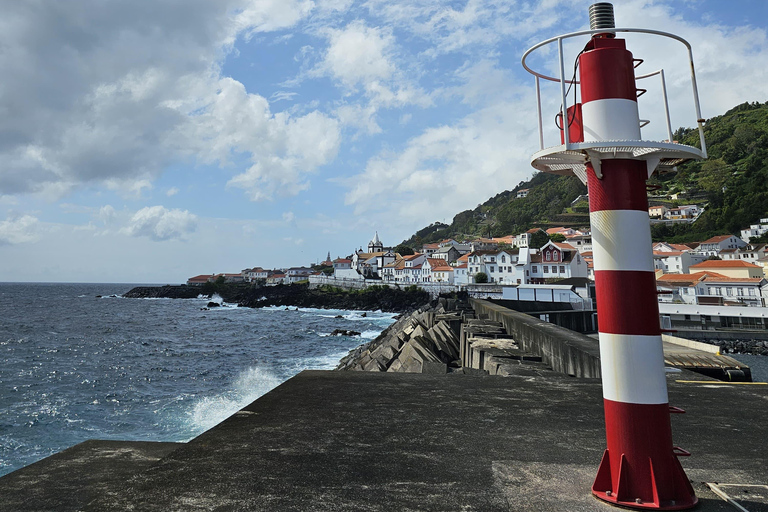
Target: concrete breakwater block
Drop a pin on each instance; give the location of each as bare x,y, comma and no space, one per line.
422,342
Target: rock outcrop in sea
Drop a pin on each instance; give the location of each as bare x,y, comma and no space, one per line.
373,298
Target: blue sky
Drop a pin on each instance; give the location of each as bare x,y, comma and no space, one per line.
150,143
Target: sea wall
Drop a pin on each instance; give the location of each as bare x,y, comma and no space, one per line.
445,338
564,350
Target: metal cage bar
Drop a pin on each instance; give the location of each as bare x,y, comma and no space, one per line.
559,39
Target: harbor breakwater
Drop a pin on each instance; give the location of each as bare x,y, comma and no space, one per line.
444,337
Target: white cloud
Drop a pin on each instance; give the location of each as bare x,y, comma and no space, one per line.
289,217
363,57
160,224
172,192
18,230
111,94
107,214
282,150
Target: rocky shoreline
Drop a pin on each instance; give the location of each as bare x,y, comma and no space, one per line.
745,346
373,298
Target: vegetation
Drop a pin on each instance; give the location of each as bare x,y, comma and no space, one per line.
404,250
481,277
557,237
733,181
732,184
539,239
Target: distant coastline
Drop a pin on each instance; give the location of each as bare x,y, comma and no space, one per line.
245,295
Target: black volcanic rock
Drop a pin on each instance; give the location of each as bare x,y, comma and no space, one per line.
374,298
163,292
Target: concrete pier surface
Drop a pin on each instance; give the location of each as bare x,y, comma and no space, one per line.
375,441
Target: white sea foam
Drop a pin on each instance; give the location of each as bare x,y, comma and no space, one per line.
249,385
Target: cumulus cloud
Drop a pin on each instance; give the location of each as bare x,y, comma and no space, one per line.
18,230
112,93
171,191
360,57
160,224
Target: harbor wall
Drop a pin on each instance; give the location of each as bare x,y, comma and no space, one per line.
564,350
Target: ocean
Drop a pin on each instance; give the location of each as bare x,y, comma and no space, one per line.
74,366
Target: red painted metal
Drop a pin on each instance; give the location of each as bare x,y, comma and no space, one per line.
648,474
639,468
621,304
609,60
575,126
621,188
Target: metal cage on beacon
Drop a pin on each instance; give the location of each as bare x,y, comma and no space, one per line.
571,156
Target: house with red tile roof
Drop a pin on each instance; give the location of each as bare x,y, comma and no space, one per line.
729,268
201,279
556,260
714,245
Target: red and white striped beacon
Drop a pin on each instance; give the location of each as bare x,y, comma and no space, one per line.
601,143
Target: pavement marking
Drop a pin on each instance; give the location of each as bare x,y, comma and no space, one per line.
722,383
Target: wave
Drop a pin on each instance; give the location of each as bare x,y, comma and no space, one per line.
249,385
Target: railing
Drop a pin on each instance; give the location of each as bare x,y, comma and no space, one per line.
563,81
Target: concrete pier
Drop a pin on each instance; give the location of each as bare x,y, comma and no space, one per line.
377,441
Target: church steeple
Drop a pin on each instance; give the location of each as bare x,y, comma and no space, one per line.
375,245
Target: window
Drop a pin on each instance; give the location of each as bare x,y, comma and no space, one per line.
491,269
503,259
752,291
562,269
729,291
546,269
739,291
548,257
556,256
534,269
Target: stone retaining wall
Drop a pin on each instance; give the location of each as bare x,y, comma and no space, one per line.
564,350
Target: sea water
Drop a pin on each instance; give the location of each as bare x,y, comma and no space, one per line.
74,366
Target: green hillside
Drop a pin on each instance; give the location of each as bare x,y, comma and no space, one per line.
732,184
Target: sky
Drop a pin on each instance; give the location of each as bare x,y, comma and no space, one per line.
148,142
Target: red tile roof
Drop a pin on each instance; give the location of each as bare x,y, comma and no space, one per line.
717,239
724,264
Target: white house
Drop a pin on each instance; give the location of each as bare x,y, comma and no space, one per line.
582,243
749,291
751,253
296,274
411,269
499,266
341,264
676,262
460,276
252,274
755,230
523,239
714,245
443,274
555,260
523,192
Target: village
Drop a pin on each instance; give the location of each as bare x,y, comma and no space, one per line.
724,270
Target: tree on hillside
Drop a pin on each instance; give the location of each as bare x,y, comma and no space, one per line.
481,277
403,250
503,246
762,239
557,237
538,239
